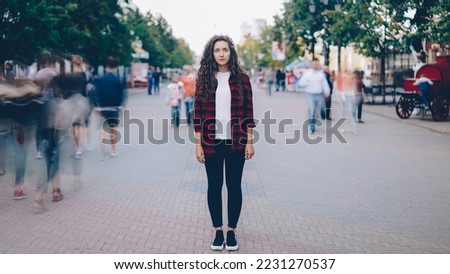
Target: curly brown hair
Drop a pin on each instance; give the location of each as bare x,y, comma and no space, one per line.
206,80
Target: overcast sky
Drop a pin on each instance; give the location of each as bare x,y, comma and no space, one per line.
197,20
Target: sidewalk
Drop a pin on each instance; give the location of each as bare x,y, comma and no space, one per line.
373,194
388,111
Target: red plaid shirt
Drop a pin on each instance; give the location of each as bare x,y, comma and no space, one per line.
241,117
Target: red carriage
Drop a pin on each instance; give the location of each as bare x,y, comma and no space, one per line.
438,96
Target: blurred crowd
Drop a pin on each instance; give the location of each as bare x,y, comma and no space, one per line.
52,110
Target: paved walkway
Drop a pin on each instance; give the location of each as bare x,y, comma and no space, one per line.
385,191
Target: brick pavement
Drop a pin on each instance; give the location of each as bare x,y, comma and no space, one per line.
385,191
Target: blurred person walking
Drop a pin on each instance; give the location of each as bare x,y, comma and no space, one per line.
270,75
19,123
56,122
78,88
174,96
109,99
326,110
281,80
345,89
359,98
43,78
188,79
317,89
224,131
23,125
18,119
150,74
157,80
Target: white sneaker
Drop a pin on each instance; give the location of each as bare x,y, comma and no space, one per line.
38,155
78,155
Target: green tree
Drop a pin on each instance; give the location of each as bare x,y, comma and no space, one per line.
299,27
431,22
439,25
95,29
268,35
91,28
249,52
26,28
181,55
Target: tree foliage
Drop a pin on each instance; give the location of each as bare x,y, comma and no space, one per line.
256,52
249,52
93,29
373,26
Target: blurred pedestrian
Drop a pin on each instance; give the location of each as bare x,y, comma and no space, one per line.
78,86
23,129
109,98
317,89
43,78
53,124
17,119
280,80
150,74
224,131
174,96
326,110
270,75
260,78
188,79
346,89
156,80
359,98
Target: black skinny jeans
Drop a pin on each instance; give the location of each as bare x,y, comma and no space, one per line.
234,165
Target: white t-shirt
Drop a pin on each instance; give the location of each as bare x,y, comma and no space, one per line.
223,106
315,82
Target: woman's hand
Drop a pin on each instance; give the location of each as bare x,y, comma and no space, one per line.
199,154
249,151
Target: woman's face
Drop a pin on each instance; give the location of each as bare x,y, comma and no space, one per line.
221,53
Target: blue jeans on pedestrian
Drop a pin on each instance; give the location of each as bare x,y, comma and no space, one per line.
176,114
156,87
149,87
23,135
315,103
269,86
189,102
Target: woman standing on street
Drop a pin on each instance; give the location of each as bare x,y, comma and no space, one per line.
224,131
